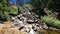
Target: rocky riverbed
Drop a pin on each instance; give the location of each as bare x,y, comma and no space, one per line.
25,23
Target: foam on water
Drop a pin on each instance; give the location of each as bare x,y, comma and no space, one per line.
31,31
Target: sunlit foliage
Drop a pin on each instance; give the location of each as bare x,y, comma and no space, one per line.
51,21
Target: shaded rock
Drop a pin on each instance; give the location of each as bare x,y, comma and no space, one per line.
1,22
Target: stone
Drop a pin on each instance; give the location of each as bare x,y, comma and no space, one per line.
45,26
30,21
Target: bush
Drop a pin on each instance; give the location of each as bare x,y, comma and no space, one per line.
3,16
0,5
51,21
6,9
13,10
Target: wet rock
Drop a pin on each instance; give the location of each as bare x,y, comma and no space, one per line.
13,18
24,19
17,21
45,26
40,27
23,30
51,28
1,22
30,21
19,15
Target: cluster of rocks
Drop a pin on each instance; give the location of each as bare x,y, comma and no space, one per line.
27,22
24,18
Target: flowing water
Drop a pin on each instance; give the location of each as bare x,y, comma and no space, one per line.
43,31
31,30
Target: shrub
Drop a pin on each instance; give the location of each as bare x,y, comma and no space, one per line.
0,5
13,12
51,21
3,16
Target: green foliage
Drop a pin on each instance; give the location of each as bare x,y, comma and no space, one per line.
3,10
39,5
0,5
20,9
3,16
25,7
36,3
51,21
13,12
6,9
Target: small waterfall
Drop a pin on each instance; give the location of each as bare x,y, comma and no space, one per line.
19,22
31,31
16,20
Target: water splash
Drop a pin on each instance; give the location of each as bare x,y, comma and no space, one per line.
31,31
